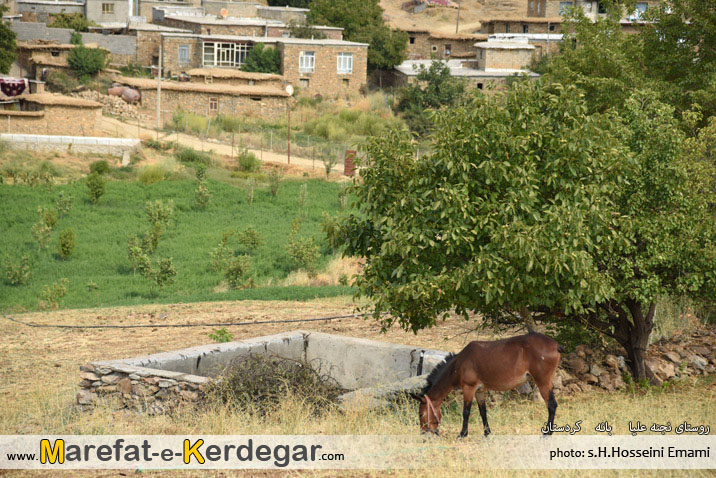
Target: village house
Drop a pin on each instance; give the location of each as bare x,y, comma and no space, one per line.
49,114
522,25
42,10
235,77
38,59
424,44
211,99
495,55
326,67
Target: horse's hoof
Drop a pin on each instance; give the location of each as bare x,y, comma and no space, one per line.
462,435
487,432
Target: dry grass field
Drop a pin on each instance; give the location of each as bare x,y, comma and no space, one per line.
40,373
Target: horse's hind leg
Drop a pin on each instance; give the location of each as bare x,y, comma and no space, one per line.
483,411
468,395
547,392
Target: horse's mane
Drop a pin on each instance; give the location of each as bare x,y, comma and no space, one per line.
437,373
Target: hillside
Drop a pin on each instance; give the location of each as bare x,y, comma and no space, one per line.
443,19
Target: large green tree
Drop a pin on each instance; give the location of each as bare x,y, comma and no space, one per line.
362,22
262,59
8,47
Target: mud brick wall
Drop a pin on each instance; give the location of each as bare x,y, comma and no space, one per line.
53,120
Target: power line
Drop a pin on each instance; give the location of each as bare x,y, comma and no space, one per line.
151,326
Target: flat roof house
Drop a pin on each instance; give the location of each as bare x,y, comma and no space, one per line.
234,77
424,44
50,114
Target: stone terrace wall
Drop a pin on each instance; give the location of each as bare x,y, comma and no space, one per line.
52,120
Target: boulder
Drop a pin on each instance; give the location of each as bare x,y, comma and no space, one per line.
115,91
611,362
605,382
125,385
591,379
698,362
672,357
596,370
576,364
622,362
662,369
85,397
580,350
703,351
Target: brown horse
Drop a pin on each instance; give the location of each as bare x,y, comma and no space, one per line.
481,366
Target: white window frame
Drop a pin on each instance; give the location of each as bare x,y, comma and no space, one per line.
344,63
109,10
564,6
224,54
307,62
183,54
638,12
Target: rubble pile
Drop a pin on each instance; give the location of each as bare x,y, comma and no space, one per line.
111,105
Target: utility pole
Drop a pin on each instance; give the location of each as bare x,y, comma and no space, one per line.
457,25
159,89
288,107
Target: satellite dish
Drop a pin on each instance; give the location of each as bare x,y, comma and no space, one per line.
289,90
224,13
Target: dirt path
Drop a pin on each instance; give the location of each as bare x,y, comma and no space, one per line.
118,128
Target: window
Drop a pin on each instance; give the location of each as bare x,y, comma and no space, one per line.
525,28
55,52
108,9
640,9
345,63
225,54
564,6
307,62
183,53
434,48
303,82
480,54
213,105
551,28
601,7
346,82
412,40
448,49
507,28
479,86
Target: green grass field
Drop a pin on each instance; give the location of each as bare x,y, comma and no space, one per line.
102,231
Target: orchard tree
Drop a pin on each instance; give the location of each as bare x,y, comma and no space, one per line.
530,207
8,48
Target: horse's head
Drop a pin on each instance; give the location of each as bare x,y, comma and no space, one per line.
430,415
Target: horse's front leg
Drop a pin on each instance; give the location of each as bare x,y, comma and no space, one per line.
468,395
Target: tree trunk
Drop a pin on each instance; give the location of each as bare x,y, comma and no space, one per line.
637,339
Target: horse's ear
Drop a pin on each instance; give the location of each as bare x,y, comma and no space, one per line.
417,397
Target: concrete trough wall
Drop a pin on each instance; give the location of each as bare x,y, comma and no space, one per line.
76,144
157,383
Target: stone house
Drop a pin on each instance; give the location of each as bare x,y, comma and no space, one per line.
49,114
407,72
424,44
544,43
234,77
504,55
36,60
211,99
326,67
522,25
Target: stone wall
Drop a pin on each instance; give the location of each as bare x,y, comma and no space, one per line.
95,13
284,15
426,47
269,107
42,12
517,26
324,80
52,120
118,147
170,61
234,9
277,82
145,6
509,58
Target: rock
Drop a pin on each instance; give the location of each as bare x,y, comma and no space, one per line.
622,362
87,368
124,385
557,382
590,379
618,382
85,397
111,379
703,351
189,396
89,376
524,389
672,357
596,370
580,350
134,376
166,383
698,362
664,370
709,369
577,365
605,382
103,370
611,362
85,384
567,377
107,389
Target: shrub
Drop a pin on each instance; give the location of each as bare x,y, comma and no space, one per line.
236,270
17,273
219,256
48,216
136,253
330,159
74,21
86,61
248,162
160,274
135,70
41,233
66,243
52,294
200,172
202,195
302,251
343,195
221,335
95,185
99,167
157,145
267,380
189,155
159,212
251,239
63,204
151,174
61,82
76,38
274,178
262,59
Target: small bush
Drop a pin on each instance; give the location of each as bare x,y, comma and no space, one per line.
262,59
202,196
248,162
86,61
189,155
66,243
74,21
200,172
303,252
41,233
221,335
343,195
17,273
63,204
137,252
52,294
48,216
151,174
157,145
220,255
99,167
95,185
330,159
251,239
274,178
267,380
159,212
160,274
236,271
76,38
60,82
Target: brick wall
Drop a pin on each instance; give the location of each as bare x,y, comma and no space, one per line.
271,107
324,80
53,120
